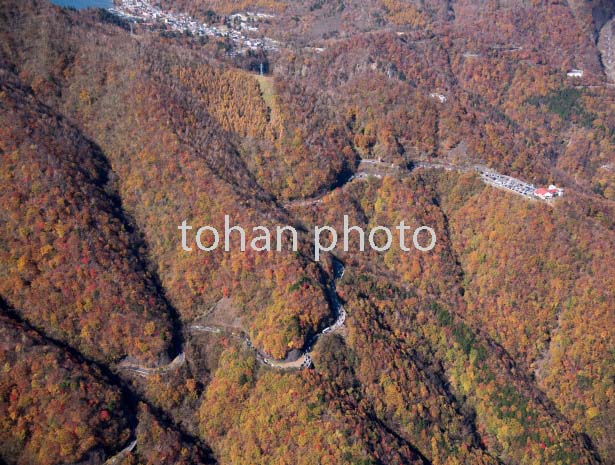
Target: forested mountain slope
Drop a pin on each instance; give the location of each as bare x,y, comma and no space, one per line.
496,347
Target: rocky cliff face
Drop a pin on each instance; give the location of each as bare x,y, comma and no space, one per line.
599,17
606,45
602,12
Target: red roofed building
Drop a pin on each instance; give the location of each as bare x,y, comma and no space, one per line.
546,193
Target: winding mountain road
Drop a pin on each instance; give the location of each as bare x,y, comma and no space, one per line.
121,455
378,168
305,359
367,168
148,371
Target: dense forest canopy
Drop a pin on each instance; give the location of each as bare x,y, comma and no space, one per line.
497,347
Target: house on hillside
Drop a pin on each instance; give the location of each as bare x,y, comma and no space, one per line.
546,193
575,73
440,97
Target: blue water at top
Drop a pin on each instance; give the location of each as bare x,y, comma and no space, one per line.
84,3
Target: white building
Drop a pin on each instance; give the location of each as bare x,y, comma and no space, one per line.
440,97
575,73
546,193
